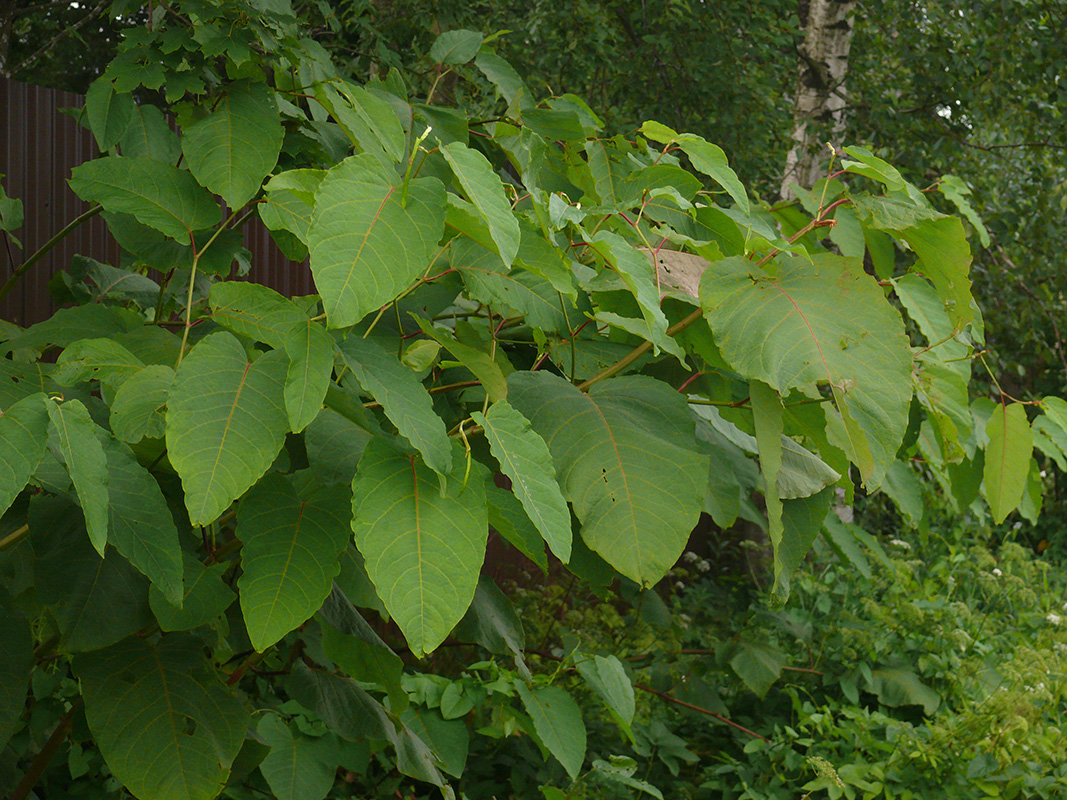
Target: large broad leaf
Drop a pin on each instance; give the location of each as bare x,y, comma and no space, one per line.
423,550
104,360
290,557
158,195
524,457
483,188
108,111
23,436
234,147
255,311
627,461
341,704
206,597
757,665
898,685
705,156
404,399
290,201
808,334
558,723
607,678
94,601
166,725
456,47
73,439
367,119
16,643
297,767
150,135
1007,459
226,422
448,740
310,351
370,239
141,525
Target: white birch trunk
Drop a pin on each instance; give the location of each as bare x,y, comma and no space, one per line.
818,109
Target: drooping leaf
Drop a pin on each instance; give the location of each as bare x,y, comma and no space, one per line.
137,409
140,523
108,111
234,147
809,337
508,518
104,360
73,438
1007,459
226,422
23,436
370,240
16,643
404,399
298,767
627,461
95,601
150,705
290,557
367,119
639,276
341,704
483,188
158,195
499,72
481,365
447,739
423,550
492,622
558,723
898,685
310,351
524,457
757,665
334,445
608,680
802,519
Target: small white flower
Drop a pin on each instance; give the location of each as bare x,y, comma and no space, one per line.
996,572
1055,619
900,543
704,565
681,586
1065,606
1016,526
690,556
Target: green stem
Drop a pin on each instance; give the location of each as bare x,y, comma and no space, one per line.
14,538
639,351
24,267
192,282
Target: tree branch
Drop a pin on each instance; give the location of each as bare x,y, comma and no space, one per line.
47,46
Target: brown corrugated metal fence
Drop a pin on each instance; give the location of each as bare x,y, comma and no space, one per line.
39,146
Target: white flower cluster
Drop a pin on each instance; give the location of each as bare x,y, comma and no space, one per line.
1055,619
900,543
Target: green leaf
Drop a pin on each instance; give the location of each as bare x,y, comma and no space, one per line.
16,643
108,111
448,740
484,368
289,201
711,160
558,723
150,136
291,554
905,489
162,704
757,665
23,436
767,416
639,275
310,351
802,519
255,311
104,360
483,188
803,319
1007,459
297,767
456,47
870,166
157,195
508,518
232,149
351,643
206,597
900,686
334,445
525,459
627,461
492,622
225,422
607,678
367,119
404,399
341,704
489,281
502,75
368,240
423,548
141,525
95,602
73,437
956,192
137,409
